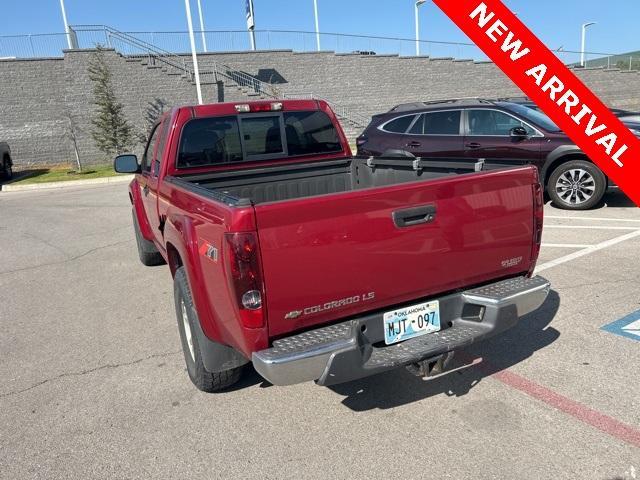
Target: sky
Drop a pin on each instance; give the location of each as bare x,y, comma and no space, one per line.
556,22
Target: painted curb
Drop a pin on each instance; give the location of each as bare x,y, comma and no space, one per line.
66,184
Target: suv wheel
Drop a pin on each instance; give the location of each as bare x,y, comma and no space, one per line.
7,170
576,185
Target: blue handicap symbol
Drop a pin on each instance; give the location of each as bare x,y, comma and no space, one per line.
628,326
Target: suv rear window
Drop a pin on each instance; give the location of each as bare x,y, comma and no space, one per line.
219,140
399,125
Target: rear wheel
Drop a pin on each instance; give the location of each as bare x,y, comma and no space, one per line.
147,251
576,185
187,318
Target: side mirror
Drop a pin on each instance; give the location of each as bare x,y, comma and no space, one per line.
518,132
126,164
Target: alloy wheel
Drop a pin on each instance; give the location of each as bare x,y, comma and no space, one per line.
575,186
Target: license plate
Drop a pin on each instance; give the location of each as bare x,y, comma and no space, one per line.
410,322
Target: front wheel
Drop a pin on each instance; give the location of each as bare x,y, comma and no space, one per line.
7,170
576,185
147,251
187,316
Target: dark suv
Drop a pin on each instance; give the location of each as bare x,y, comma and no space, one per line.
500,132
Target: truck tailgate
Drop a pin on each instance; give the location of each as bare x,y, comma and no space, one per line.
332,256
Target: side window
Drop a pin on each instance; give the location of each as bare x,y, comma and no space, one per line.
147,157
442,123
399,125
494,123
164,131
418,127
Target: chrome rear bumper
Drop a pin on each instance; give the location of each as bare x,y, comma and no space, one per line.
350,350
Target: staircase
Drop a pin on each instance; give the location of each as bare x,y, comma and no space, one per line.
236,84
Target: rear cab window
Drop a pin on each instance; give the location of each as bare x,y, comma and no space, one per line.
211,141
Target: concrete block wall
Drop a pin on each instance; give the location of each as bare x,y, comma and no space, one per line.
38,97
370,84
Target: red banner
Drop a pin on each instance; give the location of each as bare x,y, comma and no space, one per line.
553,86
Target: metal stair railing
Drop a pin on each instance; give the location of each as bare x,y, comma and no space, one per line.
218,69
153,52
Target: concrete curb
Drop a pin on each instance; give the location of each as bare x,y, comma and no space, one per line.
66,184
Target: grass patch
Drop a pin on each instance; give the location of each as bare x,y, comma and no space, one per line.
64,174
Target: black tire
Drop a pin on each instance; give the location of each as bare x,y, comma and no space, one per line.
147,251
594,183
7,170
203,379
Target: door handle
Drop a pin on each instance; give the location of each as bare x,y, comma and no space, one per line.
473,145
414,144
414,216
145,190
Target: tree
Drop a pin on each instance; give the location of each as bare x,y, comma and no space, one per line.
153,111
111,130
72,134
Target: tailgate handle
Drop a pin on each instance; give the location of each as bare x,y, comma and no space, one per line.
414,216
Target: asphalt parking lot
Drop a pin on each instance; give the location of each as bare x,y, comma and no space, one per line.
93,383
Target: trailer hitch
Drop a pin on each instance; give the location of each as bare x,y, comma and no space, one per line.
431,367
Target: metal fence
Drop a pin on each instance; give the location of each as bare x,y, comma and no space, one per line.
32,46
88,36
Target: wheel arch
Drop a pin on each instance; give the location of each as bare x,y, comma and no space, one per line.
174,258
560,155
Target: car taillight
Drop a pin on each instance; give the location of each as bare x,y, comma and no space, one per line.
361,140
538,218
245,275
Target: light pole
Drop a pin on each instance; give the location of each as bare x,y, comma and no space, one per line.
417,6
584,39
194,56
66,24
315,12
251,23
204,40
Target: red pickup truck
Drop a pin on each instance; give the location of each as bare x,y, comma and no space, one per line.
288,252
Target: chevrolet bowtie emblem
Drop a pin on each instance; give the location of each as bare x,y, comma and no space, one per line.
292,315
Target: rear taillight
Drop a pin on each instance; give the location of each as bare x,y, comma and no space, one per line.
259,107
538,218
245,275
361,140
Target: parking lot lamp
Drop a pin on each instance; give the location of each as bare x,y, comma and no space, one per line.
194,56
315,12
417,6
204,40
66,24
584,39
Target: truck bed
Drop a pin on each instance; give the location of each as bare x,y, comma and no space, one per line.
342,237
287,182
